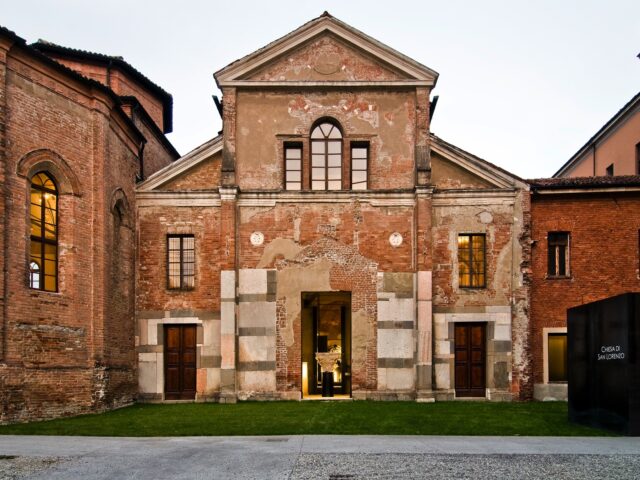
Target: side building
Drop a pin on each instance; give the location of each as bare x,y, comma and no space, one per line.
327,219
586,237
612,150
71,149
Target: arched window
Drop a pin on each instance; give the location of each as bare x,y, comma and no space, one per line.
326,157
43,261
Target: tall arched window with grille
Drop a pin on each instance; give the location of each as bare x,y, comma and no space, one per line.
326,157
43,258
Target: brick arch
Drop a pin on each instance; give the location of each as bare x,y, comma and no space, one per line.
119,205
45,160
342,268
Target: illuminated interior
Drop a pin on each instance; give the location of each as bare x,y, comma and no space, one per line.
326,327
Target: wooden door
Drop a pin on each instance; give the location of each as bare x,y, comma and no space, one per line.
470,359
180,362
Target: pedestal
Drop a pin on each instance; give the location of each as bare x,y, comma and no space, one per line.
327,384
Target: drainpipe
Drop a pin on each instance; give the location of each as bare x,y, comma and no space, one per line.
593,147
141,159
432,107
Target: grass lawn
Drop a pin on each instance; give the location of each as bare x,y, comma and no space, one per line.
296,418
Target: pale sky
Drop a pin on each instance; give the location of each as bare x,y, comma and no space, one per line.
522,84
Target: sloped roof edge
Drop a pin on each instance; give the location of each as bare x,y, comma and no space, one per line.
479,166
167,99
296,37
184,163
559,183
22,43
604,130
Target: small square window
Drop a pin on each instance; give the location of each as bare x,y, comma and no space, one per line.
558,254
609,170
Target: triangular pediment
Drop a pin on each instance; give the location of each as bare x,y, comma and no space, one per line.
197,170
327,58
325,50
453,168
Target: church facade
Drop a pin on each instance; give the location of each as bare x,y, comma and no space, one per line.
325,221
327,218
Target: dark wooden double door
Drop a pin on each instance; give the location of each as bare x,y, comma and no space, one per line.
470,359
180,362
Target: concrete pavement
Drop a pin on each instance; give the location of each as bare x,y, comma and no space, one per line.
328,457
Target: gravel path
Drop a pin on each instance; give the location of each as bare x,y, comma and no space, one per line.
14,467
318,457
412,466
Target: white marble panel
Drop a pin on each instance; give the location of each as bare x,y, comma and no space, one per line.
227,284
257,314
252,281
395,343
147,377
259,381
257,349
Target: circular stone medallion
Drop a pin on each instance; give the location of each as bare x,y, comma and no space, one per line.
257,238
395,239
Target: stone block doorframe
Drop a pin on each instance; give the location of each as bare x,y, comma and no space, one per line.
326,327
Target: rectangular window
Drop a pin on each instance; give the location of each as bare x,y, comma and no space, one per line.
610,170
293,167
471,261
557,357
181,262
558,254
359,165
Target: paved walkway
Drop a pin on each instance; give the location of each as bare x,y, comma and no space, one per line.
322,457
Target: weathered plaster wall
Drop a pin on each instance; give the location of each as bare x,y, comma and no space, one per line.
499,216
157,305
326,59
203,176
327,265
359,223
447,175
385,119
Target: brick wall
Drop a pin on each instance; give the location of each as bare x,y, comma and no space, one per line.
68,351
603,256
154,224
118,81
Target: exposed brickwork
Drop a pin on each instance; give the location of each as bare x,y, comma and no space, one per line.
521,386
204,176
154,224
355,223
603,256
118,81
70,351
349,272
448,224
156,154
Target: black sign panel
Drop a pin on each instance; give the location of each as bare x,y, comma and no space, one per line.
603,364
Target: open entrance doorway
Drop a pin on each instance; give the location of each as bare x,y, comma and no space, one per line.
326,328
